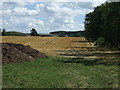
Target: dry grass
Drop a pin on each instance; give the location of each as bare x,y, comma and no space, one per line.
49,44
64,46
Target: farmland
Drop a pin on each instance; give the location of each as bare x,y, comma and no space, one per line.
86,66
48,44
62,46
42,43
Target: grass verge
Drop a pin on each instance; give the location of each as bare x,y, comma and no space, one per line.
58,72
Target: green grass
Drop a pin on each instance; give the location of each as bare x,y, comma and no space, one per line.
57,72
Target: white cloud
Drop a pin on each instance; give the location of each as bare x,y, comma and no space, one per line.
98,2
21,3
83,5
24,11
45,17
65,24
61,16
113,0
58,9
35,23
0,23
22,24
58,17
7,12
48,0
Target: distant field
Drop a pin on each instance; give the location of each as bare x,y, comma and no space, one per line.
63,46
49,44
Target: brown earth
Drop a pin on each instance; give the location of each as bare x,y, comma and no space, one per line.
16,53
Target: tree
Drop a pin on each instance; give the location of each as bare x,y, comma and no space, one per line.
104,22
34,32
3,32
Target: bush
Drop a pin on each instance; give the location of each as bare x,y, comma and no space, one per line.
100,42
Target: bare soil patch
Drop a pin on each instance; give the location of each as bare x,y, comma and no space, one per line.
16,53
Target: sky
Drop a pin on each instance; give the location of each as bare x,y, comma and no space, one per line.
46,16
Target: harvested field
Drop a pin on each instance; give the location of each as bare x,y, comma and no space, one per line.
49,44
73,47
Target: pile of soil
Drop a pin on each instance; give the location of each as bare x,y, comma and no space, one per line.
15,53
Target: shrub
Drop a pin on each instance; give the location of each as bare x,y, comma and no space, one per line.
100,42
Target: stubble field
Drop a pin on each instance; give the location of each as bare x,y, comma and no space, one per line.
63,46
50,44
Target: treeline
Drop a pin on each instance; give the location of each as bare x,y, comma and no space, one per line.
14,33
68,33
103,25
33,32
11,33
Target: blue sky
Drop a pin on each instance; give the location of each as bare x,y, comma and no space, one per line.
46,17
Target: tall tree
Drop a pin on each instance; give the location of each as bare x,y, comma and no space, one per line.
3,32
104,22
33,32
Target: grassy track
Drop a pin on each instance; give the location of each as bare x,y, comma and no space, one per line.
55,72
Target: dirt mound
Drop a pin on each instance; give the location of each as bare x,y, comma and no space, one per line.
15,53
